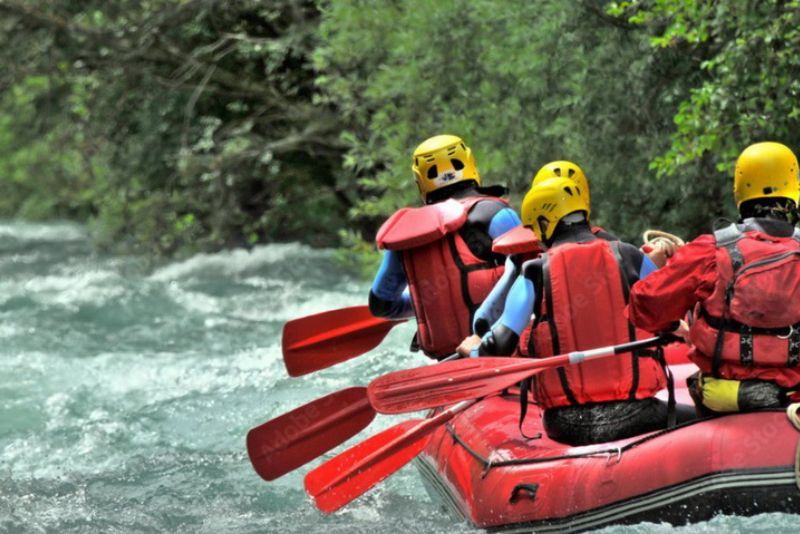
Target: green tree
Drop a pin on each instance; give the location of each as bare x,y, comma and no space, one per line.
747,54
201,115
524,83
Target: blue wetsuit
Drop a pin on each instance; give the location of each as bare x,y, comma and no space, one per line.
487,220
519,302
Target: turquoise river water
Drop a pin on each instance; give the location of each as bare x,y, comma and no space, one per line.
127,392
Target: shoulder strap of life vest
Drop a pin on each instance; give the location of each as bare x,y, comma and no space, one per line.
727,238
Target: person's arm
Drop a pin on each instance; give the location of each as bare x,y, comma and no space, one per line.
388,297
647,268
491,308
659,301
504,336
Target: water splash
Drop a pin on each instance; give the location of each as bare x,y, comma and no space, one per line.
127,394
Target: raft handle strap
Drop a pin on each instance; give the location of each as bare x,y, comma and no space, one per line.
524,388
531,489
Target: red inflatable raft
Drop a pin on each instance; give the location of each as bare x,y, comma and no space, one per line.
489,474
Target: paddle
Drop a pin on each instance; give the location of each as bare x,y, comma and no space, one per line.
427,387
350,474
325,339
295,438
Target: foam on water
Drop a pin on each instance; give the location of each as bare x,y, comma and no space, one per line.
127,394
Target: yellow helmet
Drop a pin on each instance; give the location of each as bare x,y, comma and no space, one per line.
441,161
548,202
766,170
565,169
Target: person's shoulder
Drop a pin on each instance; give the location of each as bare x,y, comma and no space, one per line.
604,234
487,207
490,204
704,239
629,249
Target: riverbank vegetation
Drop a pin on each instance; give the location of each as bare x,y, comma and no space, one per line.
177,126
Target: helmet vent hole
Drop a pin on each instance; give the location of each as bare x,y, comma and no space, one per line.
457,164
569,191
463,147
769,190
557,171
433,172
570,173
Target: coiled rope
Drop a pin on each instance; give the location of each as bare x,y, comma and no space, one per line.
652,237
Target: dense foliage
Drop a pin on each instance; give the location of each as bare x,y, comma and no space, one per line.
177,125
170,124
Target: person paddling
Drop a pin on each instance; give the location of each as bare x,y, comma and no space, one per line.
491,308
577,292
442,252
743,284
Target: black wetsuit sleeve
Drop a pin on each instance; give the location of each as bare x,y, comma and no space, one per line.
606,235
500,341
632,259
379,307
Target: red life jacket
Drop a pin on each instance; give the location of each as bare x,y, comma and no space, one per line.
583,294
446,280
535,248
749,328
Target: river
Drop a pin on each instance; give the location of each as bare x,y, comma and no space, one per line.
127,392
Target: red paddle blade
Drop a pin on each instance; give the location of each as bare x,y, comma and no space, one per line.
325,339
445,383
350,474
295,438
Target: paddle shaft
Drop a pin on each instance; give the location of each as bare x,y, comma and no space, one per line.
451,382
579,356
536,365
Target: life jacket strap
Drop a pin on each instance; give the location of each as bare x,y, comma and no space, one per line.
728,238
